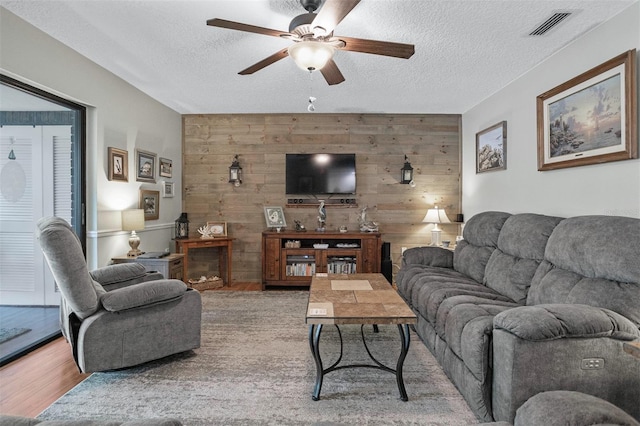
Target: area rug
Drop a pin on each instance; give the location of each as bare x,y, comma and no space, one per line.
10,333
255,367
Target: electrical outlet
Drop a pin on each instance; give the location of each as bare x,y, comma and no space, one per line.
592,363
403,250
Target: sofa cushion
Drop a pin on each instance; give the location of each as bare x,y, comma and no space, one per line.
481,234
434,288
414,277
585,263
63,252
521,247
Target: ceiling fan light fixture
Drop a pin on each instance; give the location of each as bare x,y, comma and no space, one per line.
311,55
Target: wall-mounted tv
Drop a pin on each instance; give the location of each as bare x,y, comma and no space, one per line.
318,174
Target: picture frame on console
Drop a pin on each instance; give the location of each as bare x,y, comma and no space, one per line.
217,229
150,203
491,148
274,216
591,118
118,160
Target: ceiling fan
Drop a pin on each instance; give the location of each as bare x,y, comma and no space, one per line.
314,42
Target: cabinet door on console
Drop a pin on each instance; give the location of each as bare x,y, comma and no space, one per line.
271,253
371,255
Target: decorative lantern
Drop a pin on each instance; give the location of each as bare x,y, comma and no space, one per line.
235,172
406,172
182,227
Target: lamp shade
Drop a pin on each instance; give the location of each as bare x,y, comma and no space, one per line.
436,215
132,220
311,55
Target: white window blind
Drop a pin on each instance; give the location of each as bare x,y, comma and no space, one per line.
62,182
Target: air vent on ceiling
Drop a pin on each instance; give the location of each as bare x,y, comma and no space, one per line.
550,23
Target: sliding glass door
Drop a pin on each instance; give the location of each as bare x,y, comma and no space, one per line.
41,174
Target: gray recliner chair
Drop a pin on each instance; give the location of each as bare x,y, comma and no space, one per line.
120,315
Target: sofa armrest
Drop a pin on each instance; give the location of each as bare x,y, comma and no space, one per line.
123,274
428,256
143,294
556,321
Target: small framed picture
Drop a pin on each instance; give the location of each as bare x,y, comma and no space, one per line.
118,164
275,217
150,203
217,229
166,167
491,148
167,189
145,166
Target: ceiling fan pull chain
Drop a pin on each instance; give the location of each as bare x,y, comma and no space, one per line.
311,107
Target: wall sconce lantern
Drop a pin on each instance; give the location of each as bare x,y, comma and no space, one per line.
406,172
182,227
235,172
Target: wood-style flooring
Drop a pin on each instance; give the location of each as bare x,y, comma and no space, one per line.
31,383
41,320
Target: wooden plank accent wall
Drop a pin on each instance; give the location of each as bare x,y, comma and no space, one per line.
380,141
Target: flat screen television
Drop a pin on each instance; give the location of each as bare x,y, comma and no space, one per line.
320,174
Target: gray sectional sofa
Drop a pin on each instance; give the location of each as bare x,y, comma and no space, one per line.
530,303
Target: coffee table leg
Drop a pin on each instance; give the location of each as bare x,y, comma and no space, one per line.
406,340
314,344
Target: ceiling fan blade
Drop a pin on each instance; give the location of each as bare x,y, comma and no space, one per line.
265,62
223,23
331,73
332,13
386,48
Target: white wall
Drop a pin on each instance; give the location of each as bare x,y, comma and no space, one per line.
609,189
118,115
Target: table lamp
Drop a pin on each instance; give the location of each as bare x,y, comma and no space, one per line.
436,216
133,220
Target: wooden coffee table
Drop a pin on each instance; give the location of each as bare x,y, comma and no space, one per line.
356,299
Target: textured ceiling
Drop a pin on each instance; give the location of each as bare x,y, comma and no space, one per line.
465,50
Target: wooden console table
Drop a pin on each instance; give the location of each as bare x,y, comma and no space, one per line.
292,258
224,246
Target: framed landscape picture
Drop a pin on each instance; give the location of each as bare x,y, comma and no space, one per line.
145,166
591,118
491,148
150,203
118,164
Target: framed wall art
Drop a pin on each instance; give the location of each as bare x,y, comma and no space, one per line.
166,167
118,160
145,166
591,118
275,217
491,148
217,229
168,189
150,203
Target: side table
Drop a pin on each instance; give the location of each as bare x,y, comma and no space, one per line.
171,266
224,246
